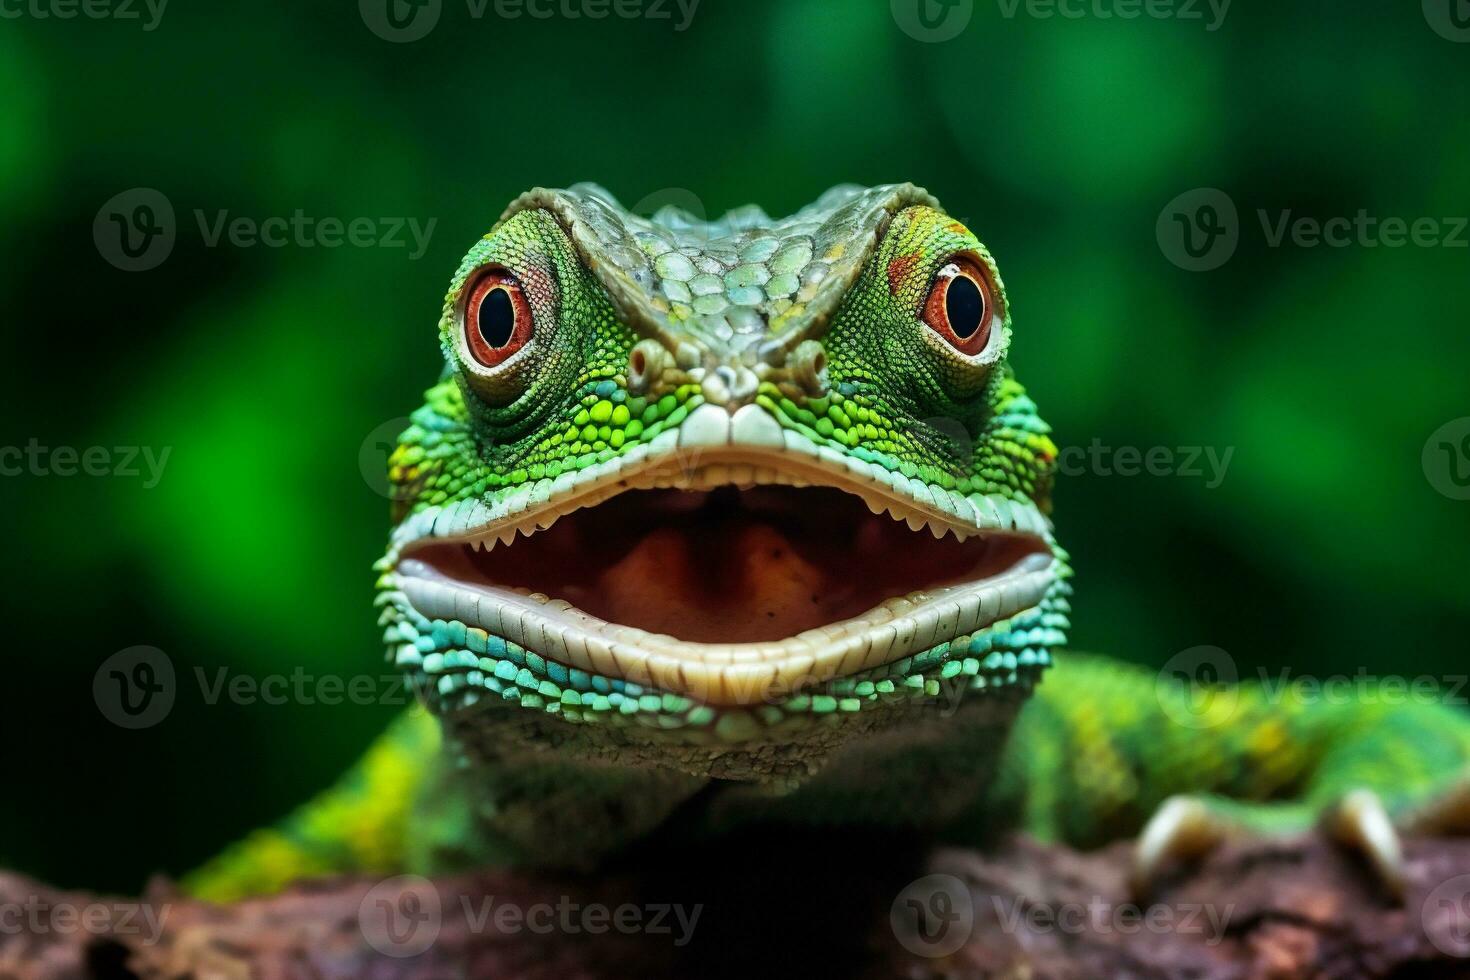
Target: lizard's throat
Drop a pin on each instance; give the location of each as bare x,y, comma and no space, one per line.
729,566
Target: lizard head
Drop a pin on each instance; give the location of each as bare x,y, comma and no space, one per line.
746,487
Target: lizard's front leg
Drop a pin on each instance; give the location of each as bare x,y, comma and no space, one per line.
1106,750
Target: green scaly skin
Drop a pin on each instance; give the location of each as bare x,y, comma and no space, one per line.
647,332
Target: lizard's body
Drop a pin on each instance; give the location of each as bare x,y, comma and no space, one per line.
682,422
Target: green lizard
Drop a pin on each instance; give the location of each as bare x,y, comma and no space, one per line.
749,521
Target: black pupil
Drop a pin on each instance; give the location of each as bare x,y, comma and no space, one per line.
965,306
497,318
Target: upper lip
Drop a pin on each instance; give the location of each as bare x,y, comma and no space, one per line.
700,454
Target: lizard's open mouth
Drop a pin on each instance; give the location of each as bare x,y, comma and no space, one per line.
729,565
718,571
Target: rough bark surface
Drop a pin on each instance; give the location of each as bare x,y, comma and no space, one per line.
1255,909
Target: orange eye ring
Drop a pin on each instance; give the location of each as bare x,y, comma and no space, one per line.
961,306
497,318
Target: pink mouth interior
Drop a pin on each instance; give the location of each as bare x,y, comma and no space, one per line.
729,565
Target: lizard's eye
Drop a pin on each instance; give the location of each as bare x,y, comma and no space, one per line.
961,306
497,318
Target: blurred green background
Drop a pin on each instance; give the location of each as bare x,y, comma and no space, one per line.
1059,140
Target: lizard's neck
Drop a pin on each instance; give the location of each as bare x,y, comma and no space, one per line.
535,795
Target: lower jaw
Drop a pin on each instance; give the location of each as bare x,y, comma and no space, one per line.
725,674
463,672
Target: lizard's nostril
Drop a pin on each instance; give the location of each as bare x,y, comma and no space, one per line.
809,367
646,364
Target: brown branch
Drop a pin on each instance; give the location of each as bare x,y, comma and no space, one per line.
812,907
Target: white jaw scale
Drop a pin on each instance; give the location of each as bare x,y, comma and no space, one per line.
716,448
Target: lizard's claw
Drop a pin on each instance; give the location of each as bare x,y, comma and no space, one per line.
1186,828
1183,828
1447,814
1361,822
